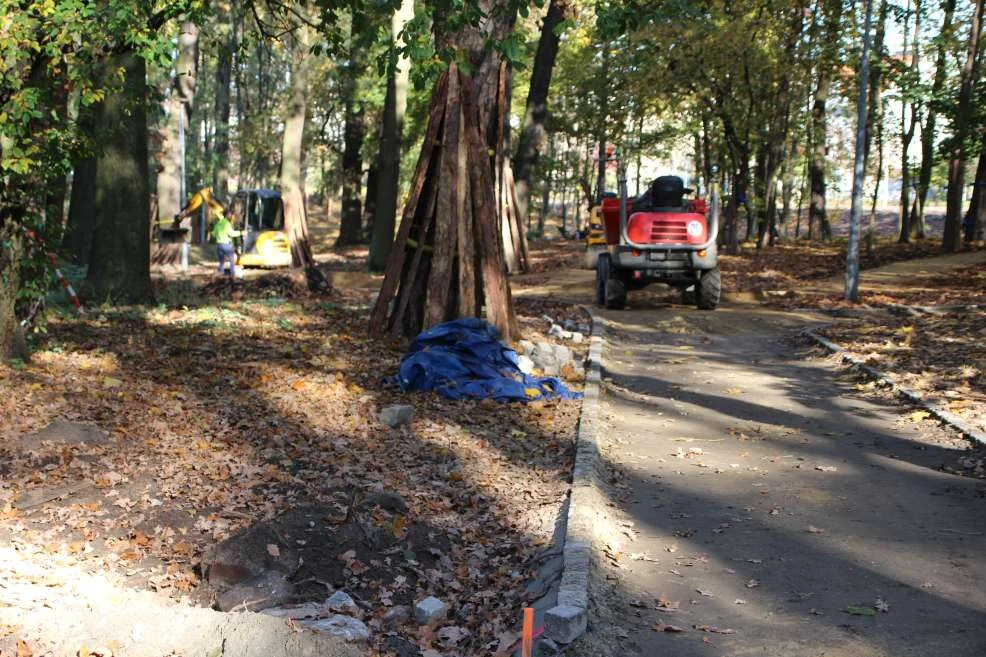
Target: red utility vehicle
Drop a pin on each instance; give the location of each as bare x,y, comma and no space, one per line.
659,237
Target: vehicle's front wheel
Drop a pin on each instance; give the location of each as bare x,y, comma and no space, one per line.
709,289
616,293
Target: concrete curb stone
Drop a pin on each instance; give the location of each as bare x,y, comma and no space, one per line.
882,379
568,620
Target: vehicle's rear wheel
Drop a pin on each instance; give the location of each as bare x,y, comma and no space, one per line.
708,290
616,293
602,275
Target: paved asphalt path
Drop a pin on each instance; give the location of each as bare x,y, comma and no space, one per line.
768,493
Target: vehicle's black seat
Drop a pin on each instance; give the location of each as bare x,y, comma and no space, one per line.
668,192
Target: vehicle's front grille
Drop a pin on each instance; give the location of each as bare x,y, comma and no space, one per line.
668,230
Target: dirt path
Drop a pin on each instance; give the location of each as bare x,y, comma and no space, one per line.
912,271
771,507
576,285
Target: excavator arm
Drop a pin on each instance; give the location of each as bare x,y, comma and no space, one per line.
204,195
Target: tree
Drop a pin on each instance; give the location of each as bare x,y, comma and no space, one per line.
960,133
228,25
11,248
350,227
928,130
451,210
178,110
874,117
77,242
859,173
119,268
292,180
908,80
532,131
827,63
395,103
975,220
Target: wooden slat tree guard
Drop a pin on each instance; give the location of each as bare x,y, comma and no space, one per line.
448,258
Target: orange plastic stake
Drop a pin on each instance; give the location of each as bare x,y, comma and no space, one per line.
527,636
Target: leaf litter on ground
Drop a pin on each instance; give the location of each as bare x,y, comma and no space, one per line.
222,418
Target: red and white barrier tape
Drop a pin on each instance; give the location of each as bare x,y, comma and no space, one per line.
58,272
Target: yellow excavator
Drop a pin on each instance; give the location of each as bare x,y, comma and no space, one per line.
259,215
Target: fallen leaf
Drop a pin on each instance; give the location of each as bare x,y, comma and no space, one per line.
273,550
826,468
506,641
452,634
664,627
881,605
917,416
705,593
110,382
753,583
665,603
812,529
713,629
739,601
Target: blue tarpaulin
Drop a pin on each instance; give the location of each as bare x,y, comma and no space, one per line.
465,359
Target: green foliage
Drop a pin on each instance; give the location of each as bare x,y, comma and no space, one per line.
54,56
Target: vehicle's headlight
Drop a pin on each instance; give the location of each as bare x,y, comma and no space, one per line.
695,228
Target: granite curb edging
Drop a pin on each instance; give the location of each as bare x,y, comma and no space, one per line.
884,380
569,618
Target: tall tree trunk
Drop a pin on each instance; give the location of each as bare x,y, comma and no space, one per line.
119,267
977,205
741,183
292,179
547,189
354,130
777,137
908,126
10,271
859,164
957,154
827,63
77,241
601,105
816,209
757,218
178,107
370,206
928,130
224,69
532,132
874,117
395,103
787,189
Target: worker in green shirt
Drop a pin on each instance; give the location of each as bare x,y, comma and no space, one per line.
223,232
